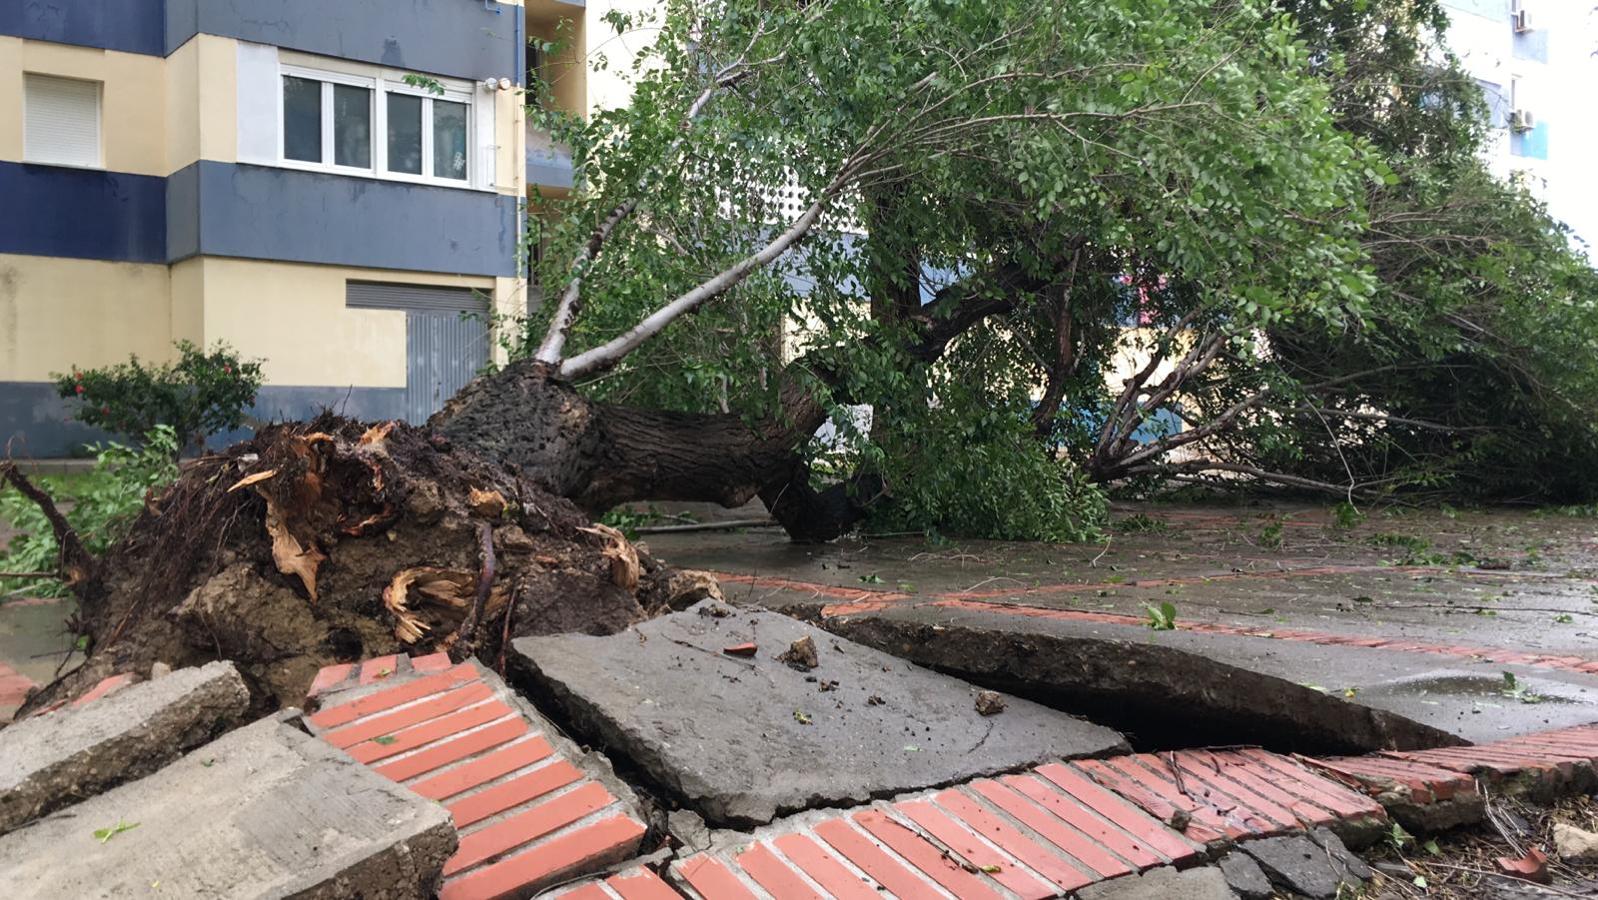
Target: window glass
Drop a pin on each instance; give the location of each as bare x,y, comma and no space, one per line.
405,133
302,119
449,140
352,126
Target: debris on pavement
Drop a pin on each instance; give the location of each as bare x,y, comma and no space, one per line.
741,650
1532,867
1576,845
801,654
990,703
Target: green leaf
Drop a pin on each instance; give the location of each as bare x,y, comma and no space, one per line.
105,834
385,739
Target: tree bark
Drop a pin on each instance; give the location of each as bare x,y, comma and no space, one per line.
599,455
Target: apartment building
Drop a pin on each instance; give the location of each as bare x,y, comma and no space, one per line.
327,185
1535,62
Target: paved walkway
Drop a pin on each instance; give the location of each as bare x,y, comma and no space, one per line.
529,807
1414,614
530,816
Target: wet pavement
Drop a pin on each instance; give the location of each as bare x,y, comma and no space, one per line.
1454,599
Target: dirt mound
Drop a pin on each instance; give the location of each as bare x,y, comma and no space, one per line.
330,541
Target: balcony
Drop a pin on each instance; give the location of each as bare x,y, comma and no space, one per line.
549,165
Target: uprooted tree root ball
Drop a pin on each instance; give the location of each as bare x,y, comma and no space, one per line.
331,541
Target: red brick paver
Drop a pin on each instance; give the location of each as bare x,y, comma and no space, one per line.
528,817
1032,835
14,688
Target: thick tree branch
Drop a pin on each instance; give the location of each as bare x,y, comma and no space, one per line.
78,565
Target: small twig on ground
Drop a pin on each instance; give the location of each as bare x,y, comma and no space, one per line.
987,581
1176,774
1108,540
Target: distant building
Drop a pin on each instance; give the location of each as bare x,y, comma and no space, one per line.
1535,62
326,184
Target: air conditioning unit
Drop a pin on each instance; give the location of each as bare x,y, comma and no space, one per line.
1522,120
1522,21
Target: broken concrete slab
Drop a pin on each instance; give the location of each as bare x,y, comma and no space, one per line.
1135,677
1207,883
1245,877
264,811
51,761
1315,865
742,740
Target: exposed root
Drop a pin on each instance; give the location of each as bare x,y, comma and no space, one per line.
329,541
77,565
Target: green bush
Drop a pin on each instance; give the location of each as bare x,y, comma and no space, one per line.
199,395
100,506
982,475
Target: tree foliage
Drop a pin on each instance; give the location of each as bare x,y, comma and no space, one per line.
949,210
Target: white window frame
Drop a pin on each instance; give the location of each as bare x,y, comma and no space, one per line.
99,124
381,84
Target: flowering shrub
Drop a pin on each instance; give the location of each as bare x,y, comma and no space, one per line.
199,395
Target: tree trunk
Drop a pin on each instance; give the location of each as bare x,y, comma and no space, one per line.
599,455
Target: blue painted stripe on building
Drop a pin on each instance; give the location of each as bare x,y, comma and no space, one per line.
131,26
256,212
461,38
40,424
260,212
82,213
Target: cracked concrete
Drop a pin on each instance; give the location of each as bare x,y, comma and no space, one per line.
744,738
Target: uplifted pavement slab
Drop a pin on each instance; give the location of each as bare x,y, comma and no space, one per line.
1333,698
54,760
700,702
533,810
264,811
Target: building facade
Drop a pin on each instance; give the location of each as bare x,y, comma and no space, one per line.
327,185
1534,60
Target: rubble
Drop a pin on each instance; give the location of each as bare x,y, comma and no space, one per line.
264,811
53,760
743,739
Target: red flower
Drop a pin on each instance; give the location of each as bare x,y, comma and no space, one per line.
228,369
79,388
105,410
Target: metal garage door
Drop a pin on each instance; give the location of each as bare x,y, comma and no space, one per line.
446,338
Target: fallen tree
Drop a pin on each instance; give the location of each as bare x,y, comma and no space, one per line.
714,300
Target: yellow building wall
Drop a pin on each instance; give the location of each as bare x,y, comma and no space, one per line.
133,99
294,317
567,70
202,102
158,115
59,313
